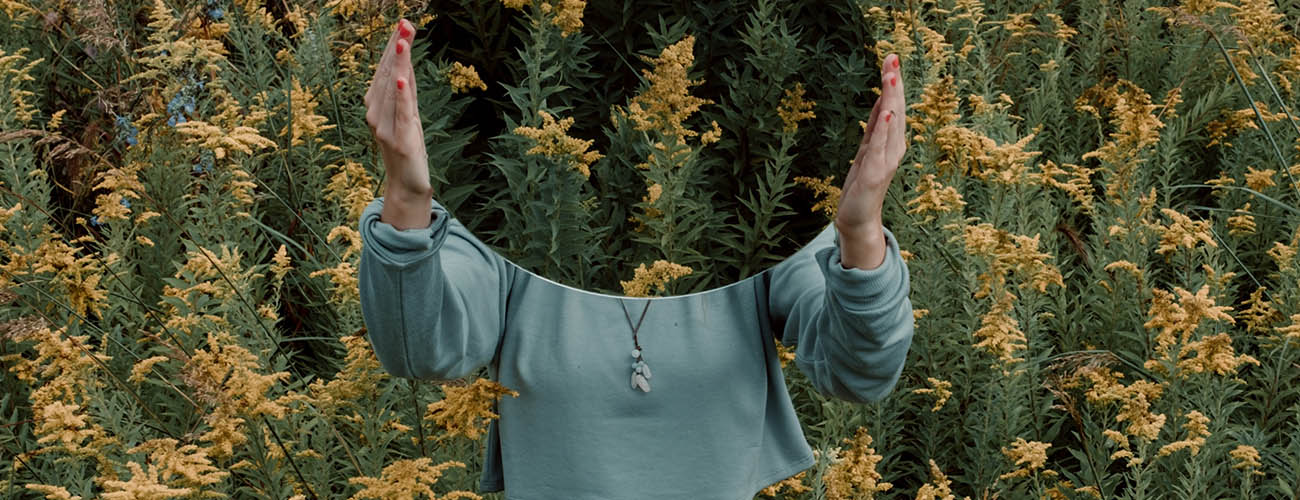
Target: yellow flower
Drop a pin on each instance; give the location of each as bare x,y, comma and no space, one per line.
853,474
229,377
1135,128
554,142
350,236
304,122
1243,223
1032,454
1197,430
1134,400
1182,232
1078,184
567,13
408,479
351,186
941,391
1259,314
792,485
667,103
999,333
794,108
937,108
52,492
823,187
462,78
1184,318
465,411
1259,179
657,276
346,285
1247,458
1213,353
939,487
933,197
280,263
143,485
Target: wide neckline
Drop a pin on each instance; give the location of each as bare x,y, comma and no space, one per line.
609,296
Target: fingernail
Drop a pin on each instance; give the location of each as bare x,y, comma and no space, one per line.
403,30
895,62
400,84
893,81
887,117
399,48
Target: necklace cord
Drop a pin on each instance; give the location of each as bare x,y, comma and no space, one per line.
635,343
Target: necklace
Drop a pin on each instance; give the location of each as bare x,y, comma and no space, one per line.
640,370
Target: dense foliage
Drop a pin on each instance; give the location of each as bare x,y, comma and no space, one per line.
1099,209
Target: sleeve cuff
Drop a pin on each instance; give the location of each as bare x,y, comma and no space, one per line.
862,284
402,247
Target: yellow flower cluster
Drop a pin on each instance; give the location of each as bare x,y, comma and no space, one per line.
304,122
1259,314
1243,223
933,197
656,277
941,389
172,471
361,373
122,183
465,411
350,186
347,286
1247,458
61,375
554,142
1136,127
1181,319
794,108
853,474
16,75
1213,353
1033,456
1007,254
792,485
1078,184
77,276
1134,400
667,103
823,187
462,78
567,13
1197,430
220,141
408,478
939,487
1182,231
227,376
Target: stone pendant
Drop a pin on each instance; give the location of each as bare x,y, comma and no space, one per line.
640,373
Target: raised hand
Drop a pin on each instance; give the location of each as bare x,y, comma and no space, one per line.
858,218
394,119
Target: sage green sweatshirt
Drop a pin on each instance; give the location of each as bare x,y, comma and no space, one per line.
716,422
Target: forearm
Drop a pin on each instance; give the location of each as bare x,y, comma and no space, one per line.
862,247
405,209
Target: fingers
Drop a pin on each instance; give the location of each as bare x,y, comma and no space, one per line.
896,96
405,114
379,82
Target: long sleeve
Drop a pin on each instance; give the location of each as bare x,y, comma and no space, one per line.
851,328
433,299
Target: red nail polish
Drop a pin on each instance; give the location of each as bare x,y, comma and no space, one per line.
399,48
403,31
895,62
888,116
400,84
893,81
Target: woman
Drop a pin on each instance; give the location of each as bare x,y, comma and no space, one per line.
719,423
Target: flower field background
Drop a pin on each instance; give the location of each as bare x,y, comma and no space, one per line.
1099,208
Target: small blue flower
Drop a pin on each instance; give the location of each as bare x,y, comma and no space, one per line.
126,203
94,221
215,14
131,141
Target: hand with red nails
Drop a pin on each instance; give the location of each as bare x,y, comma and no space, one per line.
858,218
394,120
